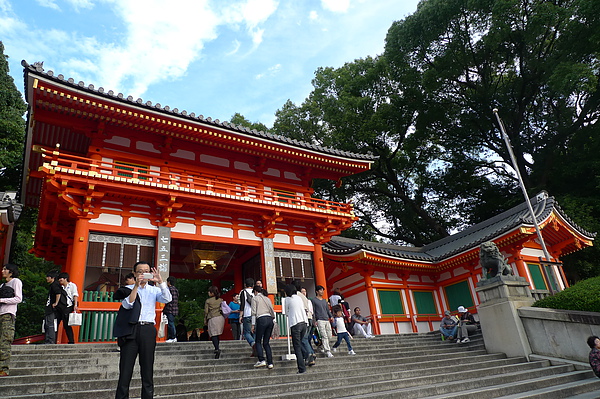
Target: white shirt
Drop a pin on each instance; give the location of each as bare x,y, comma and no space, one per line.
340,326
334,300
71,290
294,310
149,295
247,306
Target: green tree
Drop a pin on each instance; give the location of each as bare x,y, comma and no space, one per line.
192,295
404,197
535,60
239,119
12,127
33,274
425,108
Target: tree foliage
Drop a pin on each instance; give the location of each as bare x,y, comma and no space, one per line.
535,60
582,296
12,128
239,119
425,108
33,274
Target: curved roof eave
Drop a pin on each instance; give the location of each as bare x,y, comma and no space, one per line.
37,70
466,240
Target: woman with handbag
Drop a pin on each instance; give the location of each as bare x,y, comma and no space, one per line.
11,294
213,317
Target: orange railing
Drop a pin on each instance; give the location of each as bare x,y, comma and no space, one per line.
185,182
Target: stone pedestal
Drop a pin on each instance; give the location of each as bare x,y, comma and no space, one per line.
501,326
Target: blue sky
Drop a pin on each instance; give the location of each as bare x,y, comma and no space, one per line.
213,58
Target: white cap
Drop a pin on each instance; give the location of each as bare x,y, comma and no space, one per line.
461,309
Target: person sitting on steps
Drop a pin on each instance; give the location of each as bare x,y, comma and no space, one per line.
467,324
448,326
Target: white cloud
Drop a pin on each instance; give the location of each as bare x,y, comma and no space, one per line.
313,15
236,47
250,13
81,4
49,4
336,5
272,71
10,25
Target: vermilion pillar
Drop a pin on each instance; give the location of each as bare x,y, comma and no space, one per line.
76,267
320,269
76,260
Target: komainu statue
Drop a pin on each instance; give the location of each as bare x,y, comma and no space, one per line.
492,261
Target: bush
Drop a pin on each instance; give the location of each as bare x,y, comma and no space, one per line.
581,296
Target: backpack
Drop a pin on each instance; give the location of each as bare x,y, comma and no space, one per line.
6,291
225,309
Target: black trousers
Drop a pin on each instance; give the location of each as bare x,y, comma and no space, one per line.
143,343
62,314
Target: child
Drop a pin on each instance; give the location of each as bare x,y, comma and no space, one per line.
342,333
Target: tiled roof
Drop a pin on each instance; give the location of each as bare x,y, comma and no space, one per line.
37,69
542,205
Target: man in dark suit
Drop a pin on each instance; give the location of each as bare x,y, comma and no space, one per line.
135,330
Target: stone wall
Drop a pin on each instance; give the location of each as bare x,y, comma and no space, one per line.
559,333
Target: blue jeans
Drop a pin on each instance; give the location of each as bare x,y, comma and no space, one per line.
264,329
346,338
447,332
298,331
171,333
248,330
306,339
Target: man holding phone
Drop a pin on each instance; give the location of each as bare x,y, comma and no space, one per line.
142,337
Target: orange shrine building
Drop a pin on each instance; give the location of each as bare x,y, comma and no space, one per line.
117,180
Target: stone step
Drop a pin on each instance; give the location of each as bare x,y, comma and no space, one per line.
182,375
521,389
246,384
488,386
391,366
111,364
583,389
423,386
19,364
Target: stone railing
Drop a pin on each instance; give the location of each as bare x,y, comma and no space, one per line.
559,333
540,294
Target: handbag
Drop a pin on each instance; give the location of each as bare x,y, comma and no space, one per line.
6,291
75,319
225,309
163,323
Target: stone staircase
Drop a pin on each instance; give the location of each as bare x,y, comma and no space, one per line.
391,366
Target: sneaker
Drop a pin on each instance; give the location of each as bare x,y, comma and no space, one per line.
370,336
270,366
351,352
170,341
217,353
311,361
322,350
260,364
458,341
334,350
464,341
329,354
